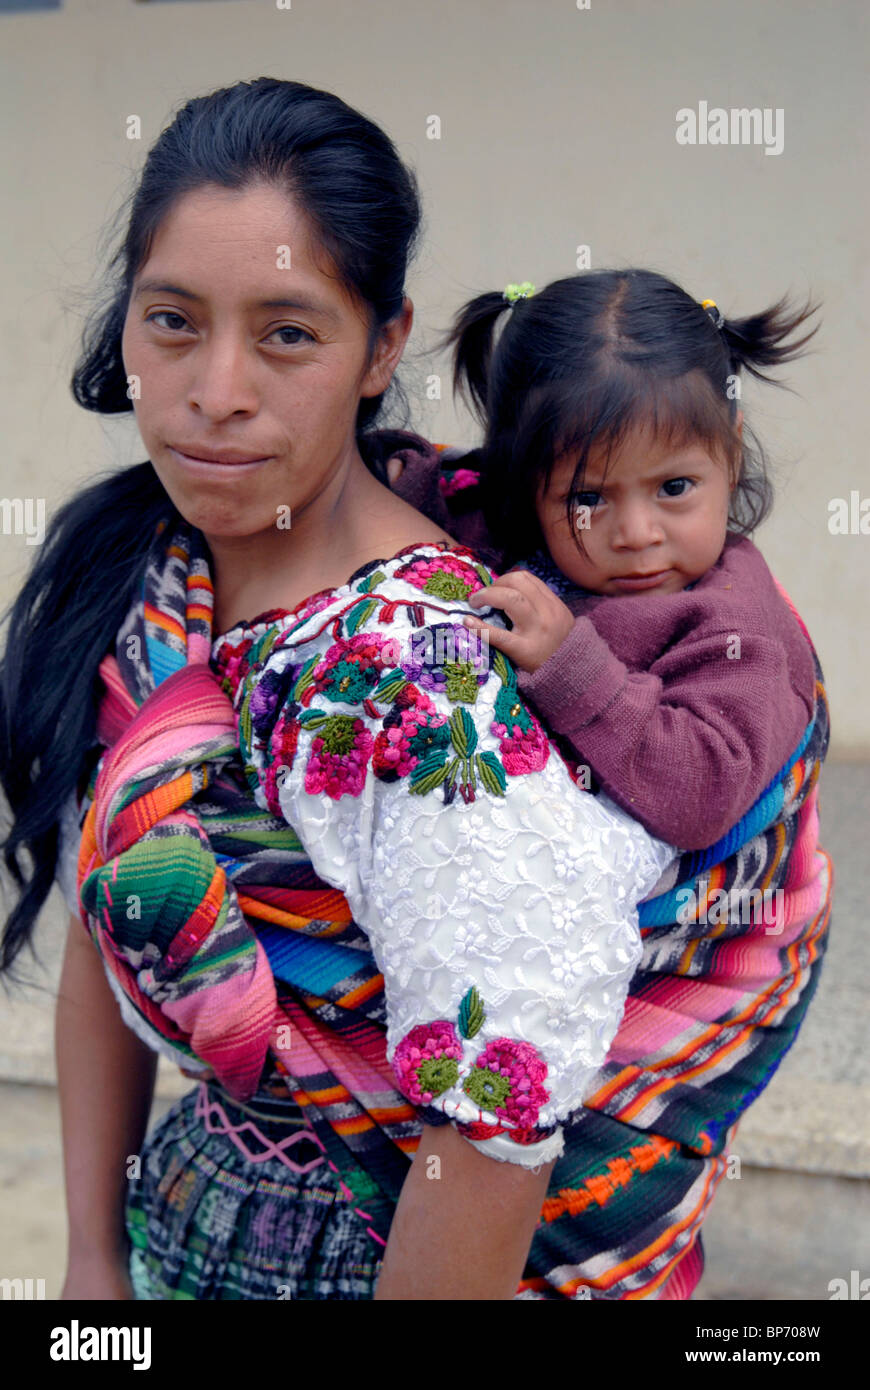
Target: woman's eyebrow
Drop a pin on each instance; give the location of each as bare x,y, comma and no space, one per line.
306,305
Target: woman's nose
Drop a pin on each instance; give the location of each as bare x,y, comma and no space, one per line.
222,381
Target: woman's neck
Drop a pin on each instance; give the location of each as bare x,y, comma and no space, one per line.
325,544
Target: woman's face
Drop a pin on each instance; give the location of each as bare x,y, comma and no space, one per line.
660,510
247,346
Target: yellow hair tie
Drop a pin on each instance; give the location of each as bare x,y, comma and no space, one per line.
514,292
718,318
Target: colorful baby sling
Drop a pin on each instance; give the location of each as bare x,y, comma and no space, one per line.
225,944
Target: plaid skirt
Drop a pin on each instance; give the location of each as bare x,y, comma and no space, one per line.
240,1203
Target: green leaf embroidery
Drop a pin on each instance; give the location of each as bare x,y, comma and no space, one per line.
391,685
312,719
471,1014
505,672
428,774
483,575
372,582
463,733
358,615
492,774
245,727
306,676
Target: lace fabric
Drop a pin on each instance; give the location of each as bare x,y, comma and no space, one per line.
519,895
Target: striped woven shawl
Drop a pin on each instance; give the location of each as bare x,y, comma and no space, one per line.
215,929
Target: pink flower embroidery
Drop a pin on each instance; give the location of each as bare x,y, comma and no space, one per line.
282,754
426,1061
409,735
340,752
506,1081
443,576
523,750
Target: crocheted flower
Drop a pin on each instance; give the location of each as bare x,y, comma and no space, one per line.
340,752
452,659
351,668
426,1061
459,479
408,736
506,1082
443,576
524,744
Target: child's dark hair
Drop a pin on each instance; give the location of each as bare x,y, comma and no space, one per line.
345,174
591,356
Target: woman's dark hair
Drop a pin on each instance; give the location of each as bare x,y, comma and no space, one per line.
588,358
347,177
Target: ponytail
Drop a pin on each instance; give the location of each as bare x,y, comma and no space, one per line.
760,339
472,337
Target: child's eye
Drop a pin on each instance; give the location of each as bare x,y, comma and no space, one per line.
677,482
586,499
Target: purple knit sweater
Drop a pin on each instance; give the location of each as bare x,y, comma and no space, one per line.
647,688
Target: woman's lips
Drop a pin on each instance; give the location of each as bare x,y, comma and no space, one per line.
648,582
211,466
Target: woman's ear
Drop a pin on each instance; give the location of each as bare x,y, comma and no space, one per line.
388,351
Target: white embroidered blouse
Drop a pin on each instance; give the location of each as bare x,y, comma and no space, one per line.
498,895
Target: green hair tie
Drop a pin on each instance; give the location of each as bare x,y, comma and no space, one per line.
514,292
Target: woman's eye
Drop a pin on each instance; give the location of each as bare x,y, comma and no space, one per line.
290,328
165,314
677,483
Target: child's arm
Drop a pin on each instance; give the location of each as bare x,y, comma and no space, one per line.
686,746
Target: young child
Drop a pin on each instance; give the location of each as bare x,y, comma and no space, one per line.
616,479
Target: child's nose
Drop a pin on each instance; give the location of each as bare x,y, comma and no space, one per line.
636,527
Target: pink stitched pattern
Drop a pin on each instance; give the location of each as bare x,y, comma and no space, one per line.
206,1109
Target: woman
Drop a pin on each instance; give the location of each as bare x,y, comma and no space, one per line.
348,885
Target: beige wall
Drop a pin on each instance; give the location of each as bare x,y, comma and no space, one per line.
558,129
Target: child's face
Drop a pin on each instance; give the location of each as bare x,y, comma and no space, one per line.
661,510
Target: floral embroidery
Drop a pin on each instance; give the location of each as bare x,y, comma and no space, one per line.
404,733
349,670
524,743
426,1062
453,659
282,755
408,736
339,755
444,576
505,1081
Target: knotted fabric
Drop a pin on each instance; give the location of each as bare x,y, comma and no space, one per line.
156,902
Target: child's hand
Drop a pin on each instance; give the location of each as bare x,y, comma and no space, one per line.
541,621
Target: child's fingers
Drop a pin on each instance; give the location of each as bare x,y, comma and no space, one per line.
518,606
496,636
